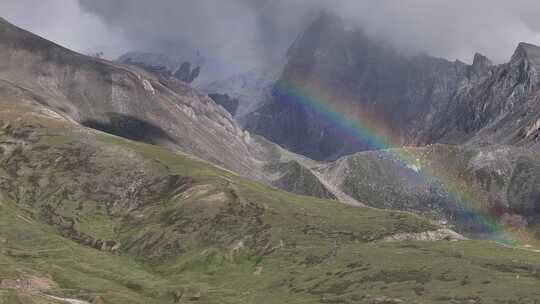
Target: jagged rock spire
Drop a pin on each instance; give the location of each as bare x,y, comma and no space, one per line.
481,61
481,65
527,51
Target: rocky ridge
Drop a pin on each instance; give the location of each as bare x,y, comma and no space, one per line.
162,64
432,100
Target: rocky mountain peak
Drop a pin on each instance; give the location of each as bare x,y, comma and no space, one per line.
432,100
525,66
528,52
481,61
354,71
481,65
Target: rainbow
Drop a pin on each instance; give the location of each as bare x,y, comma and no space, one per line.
378,136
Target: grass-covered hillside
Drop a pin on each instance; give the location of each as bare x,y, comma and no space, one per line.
97,218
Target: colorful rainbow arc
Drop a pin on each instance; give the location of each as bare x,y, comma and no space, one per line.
377,138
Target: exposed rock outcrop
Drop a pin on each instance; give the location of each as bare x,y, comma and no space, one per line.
162,65
436,235
186,74
230,104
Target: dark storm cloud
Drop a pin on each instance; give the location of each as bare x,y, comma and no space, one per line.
240,34
451,29
62,21
248,31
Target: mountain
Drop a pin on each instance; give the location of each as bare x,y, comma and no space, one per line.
127,101
503,108
88,216
432,100
252,90
407,132
455,185
162,64
121,100
151,107
158,109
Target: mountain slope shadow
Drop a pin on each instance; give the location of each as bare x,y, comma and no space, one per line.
130,127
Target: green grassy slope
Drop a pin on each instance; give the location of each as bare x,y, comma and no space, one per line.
93,217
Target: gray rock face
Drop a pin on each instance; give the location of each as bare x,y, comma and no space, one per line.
162,65
230,104
498,108
419,99
356,75
481,65
186,74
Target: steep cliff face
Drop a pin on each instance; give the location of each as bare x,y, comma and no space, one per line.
356,75
499,107
417,99
228,103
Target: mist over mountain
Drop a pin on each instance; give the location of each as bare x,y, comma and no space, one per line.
86,33
409,100
239,35
248,32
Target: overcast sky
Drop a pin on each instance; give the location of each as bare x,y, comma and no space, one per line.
242,34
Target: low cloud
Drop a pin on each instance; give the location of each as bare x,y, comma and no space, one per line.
237,35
